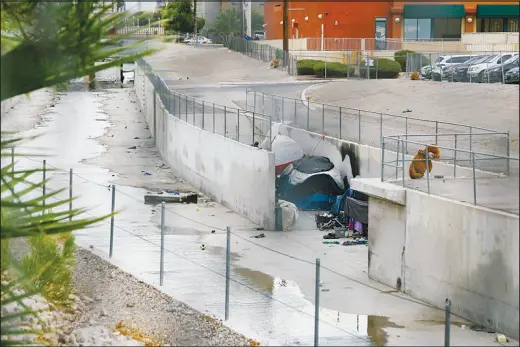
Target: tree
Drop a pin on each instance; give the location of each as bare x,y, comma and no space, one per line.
227,23
257,21
48,43
179,16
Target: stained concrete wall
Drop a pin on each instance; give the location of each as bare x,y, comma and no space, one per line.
442,248
236,175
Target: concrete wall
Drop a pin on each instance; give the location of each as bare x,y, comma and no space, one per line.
236,175
441,248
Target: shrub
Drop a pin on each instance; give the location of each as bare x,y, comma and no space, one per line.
400,57
306,66
381,68
333,69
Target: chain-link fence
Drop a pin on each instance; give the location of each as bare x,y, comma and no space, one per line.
366,127
248,127
456,172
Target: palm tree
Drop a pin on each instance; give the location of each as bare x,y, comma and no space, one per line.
44,44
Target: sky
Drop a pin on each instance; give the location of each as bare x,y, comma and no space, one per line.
133,6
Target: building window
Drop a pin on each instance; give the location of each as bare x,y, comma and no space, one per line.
417,29
497,25
447,28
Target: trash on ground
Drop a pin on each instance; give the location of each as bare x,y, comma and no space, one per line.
360,241
133,147
157,198
501,338
325,290
212,231
407,111
136,138
289,214
259,236
147,174
331,242
202,247
259,228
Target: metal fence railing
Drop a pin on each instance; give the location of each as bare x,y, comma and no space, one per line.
247,127
459,173
368,128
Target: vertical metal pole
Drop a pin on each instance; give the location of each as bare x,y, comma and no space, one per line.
348,65
406,133
427,168
254,101
225,121
470,138
161,271
270,134
402,156
436,131
283,101
508,152
193,111
317,304
203,115
447,322
381,126
382,159
474,179
44,184
253,127
397,159
323,118
359,126
213,118
186,102
112,221
294,119
238,125
178,99
455,158
70,194
308,113
340,122
228,268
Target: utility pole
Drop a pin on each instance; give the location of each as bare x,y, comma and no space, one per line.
285,26
195,19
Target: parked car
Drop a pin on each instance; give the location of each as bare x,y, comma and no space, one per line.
512,76
495,73
458,72
477,72
438,72
199,40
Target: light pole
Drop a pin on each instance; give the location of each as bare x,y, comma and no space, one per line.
320,17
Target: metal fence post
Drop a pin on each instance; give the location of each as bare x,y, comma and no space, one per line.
225,121
70,194
294,111
381,126
178,100
161,270
402,156
359,126
406,133
447,323
474,179
112,221
377,67
186,102
213,118
283,108
382,159
325,68
427,158
317,303
228,268
397,159
238,125
193,111
253,127
368,66
203,114
44,183
254,101
340,122
436,132
323,118
455,158
508,153
270,134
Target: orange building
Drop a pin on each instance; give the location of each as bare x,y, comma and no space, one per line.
412,20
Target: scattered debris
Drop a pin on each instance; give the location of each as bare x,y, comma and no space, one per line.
359,241
438,176
147,174
407,111
130,304
325,290
501,338
283,283
330,236
331,242
212,231
136,138
259,228
203,247
133,147
259,236
175,197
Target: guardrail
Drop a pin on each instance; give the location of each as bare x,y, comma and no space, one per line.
461,176
368,127
248,127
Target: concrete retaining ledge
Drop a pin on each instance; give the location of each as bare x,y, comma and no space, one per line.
382,190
